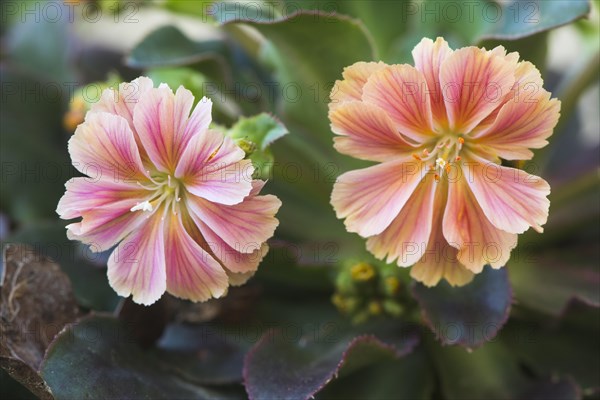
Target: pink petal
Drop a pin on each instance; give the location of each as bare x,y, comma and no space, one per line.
84,194
230,258
371,198
401,91
161,121
521,125
440,260
103,147
368,133
104,227
512,199
474,82
355,77
244,226
406,237
429,56
137,266
123,101
212,167
467,228
192,273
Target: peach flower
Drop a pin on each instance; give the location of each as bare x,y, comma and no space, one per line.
439,199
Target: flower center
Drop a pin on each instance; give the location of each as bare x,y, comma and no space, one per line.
165,190
444,153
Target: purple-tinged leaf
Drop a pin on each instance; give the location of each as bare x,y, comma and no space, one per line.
567,345
548,281
554,389
469,315
488,372
108,363
279,367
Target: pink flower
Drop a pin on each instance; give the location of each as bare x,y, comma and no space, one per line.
175,197
439,199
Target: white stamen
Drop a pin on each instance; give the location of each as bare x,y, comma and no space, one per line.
440,163
144,206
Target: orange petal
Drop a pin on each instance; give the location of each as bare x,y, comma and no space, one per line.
512,199
406,237
355,77
372,197
401,91
466,227
429,56
367,132
440,260
474,82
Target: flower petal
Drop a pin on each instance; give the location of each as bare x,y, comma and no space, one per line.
137,266
406,237
429,56
123,101
212,167
512,199
84,194
192,273
355,77
439,259
521,125
466,227
474,82
103,148
371,198
161,121
368,133
401,91
244,226
230,258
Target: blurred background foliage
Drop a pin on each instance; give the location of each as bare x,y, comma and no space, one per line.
322,317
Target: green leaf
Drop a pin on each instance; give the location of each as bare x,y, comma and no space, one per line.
567,345
408,378
523,18
554,388
489,372
168,46
311,56
469,315
109,364
255,135
547,281
262,129
281,368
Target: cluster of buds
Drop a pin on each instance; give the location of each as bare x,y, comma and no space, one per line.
365,291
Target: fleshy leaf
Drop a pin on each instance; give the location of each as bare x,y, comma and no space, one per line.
564,346
37,301
168,46
409,377
548,281
469,315
310,59
523,18
255,135
490,371
282,368
554,389
109,364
